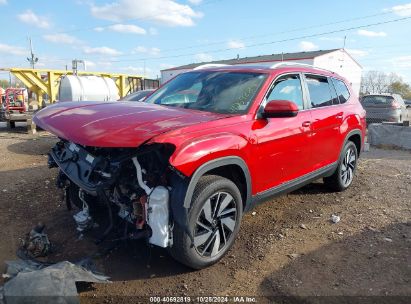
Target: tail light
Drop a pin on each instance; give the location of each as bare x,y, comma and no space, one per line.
395,105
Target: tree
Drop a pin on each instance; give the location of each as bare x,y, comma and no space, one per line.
401,88
4,83
376,82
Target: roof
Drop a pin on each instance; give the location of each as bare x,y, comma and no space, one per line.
259,59
289,66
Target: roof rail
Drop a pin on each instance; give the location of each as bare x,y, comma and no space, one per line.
210,65
290,63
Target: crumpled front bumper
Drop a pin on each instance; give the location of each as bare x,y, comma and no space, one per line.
84,169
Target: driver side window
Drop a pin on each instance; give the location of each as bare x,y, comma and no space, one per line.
288,87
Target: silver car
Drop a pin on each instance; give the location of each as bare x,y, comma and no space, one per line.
384,107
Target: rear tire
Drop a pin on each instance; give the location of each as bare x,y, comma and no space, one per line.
344,174
214,221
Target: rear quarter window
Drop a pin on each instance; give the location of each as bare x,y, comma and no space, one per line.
342,90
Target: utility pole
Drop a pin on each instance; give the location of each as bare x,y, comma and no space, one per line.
32,59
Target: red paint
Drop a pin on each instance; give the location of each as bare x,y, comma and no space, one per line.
275,150
115,124
278,107
11,99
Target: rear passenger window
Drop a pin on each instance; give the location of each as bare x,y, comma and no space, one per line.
287,87
342,91
319,89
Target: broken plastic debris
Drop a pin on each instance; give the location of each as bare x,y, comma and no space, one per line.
55,283
335,218
36,243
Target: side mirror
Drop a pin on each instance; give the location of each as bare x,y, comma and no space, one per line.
280,108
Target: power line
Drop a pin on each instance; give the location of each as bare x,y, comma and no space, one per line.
274,42
270,34
282,32
132,58
220,42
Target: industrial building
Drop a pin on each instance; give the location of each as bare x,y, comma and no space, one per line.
336,60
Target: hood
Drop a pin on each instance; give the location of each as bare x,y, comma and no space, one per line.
115,124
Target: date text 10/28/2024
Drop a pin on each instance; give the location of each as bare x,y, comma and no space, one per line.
186,299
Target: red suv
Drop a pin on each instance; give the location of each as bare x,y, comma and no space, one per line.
181,168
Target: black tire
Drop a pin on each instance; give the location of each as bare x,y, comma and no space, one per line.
211,190
11,124
337,181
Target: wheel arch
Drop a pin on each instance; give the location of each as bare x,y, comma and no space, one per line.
233,168
356,137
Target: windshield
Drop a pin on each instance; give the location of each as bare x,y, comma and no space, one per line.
211,91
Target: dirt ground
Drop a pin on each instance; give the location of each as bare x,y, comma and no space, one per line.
287,247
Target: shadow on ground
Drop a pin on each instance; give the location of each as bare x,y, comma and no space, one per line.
369,264
33,146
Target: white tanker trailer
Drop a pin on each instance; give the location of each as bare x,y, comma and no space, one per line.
87,88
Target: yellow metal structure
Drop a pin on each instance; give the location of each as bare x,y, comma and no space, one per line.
42,81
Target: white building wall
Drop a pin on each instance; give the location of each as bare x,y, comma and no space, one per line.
166,75
343,64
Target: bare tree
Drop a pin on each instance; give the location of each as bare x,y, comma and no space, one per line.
376,82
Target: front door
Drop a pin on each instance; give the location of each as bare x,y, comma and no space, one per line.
283,143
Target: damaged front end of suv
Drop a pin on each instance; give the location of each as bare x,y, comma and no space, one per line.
116,173
131,184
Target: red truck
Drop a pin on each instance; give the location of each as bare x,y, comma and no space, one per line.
182,168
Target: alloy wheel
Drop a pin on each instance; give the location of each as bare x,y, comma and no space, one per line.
215,224
348,167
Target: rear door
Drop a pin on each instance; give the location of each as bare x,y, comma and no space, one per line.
327,116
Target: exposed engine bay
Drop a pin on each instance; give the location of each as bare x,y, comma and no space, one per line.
132,185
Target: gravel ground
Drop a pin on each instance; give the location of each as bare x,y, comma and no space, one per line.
286,247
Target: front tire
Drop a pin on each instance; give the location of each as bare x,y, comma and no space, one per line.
214,221
344,174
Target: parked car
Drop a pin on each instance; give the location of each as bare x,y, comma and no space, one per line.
408,103
384,107
181,174
137,96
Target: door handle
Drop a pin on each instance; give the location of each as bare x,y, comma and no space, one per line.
306,124
339,116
